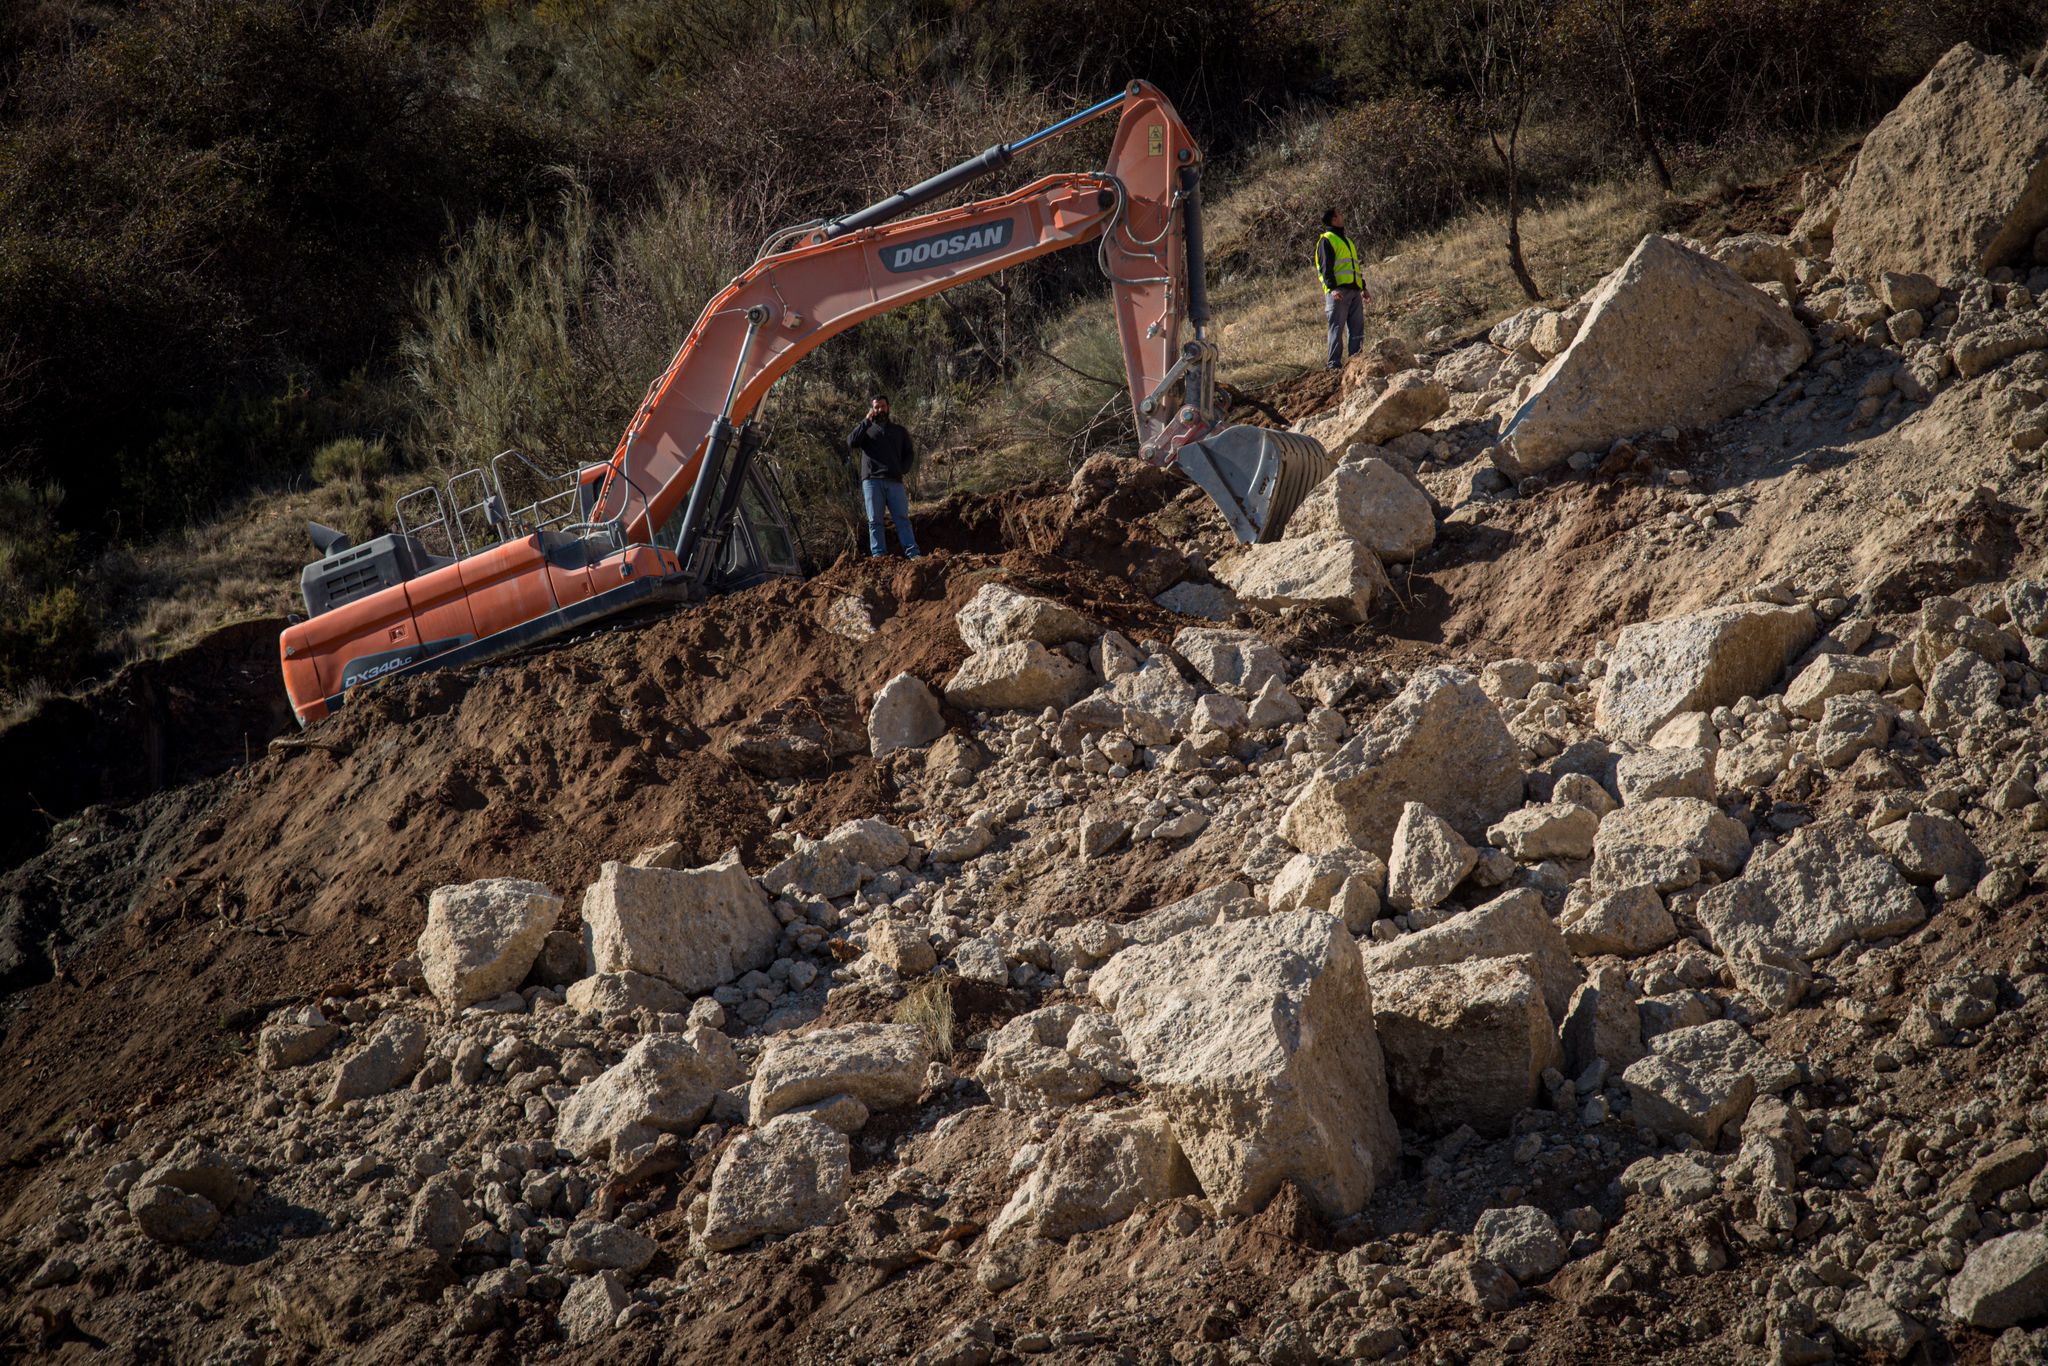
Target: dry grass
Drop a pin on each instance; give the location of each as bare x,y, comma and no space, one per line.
929,1007
301,1320
244,565
1456,276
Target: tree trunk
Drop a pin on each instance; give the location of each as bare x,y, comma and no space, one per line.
1508,161
1643,134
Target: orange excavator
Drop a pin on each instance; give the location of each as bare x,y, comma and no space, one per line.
686,505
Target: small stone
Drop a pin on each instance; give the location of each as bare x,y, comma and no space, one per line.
903,948
1428,859
1522,1241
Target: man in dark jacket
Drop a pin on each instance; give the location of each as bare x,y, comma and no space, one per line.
886,456
1344,292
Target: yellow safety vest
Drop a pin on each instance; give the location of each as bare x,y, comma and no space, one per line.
1343,262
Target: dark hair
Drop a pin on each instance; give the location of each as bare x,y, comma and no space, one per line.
877,398
1328,215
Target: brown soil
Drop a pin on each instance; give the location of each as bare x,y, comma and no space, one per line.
156,724
301,871
1763,206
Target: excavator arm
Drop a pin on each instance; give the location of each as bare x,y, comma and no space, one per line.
813,283
658,519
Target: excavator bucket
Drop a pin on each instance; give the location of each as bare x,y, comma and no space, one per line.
1257,477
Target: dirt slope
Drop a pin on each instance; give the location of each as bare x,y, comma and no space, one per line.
207,905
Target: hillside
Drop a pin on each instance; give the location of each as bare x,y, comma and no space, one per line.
1578,896
262,260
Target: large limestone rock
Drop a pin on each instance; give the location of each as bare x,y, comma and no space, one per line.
389,1059
1671,338
788,1175
696,928
1510,926
1697,662
1928,846
1096,1170
1236,662
1328,571
2002,340
1803,900
1700,1078
1470,369
1000,615
482,937
1465,1043
1311,882
182,1198
1377,415
664,1085
2003,1282
1410,399
1603,1023
1256,1039
1629,922
591,1308
1552,830
1052,1058
905,715
1373,503
1832,675
1020,675
1666,771
1522,1241
1955,179
622,993
880,1065
1155,703
1758,257
1668,841
836,865
1440,742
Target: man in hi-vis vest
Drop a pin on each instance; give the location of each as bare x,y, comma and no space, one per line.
1344,292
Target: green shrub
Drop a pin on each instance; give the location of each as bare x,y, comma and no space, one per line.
352,460
51,638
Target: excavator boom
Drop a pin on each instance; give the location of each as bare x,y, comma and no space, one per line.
681,507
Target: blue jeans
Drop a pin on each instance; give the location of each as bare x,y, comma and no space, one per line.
1344,309
888,495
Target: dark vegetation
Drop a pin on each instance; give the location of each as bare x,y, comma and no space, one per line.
258,244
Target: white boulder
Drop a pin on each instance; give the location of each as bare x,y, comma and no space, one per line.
1255,1038
695,928
1671,338
1440,742
481,938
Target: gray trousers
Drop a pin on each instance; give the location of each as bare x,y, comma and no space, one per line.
1344,309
